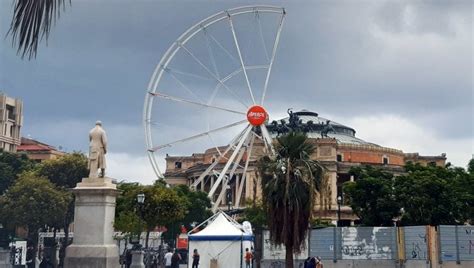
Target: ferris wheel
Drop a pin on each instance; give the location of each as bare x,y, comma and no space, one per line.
209,89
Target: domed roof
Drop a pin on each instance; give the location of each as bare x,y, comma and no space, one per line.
315,127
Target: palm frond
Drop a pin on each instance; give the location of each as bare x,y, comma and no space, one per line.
31,22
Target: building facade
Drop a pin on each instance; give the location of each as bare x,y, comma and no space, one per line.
337,148
38,151
11,120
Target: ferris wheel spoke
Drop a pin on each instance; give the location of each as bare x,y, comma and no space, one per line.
213,75
156,148
168,97
223,48
176,71
275,45
210,51
184,86
257,16
240,57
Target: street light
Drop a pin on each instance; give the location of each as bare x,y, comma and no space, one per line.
141,198
135,239
229,197
339,201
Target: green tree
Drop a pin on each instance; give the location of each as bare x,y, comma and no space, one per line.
289,184
31,22
34,202
435,195
371,196
162,207
197,207
470,166
11,165
65,172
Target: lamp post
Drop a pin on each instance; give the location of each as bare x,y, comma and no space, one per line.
229,197
339,201
137,253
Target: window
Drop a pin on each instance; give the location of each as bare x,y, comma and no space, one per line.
10,112
339,157
12,131
432,164
385,160
177,164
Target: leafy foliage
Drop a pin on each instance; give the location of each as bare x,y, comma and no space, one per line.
34,202
162,207
289,183
31,22
371,196
435,195
65,171
256,214
428,195
11,165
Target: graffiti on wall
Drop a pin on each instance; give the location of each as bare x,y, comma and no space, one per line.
416,241
366,243
275,252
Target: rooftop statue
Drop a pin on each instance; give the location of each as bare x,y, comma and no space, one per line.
97,150
326,129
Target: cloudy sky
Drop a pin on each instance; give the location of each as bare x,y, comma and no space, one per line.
399,72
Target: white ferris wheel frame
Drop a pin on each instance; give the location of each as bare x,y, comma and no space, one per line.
244,140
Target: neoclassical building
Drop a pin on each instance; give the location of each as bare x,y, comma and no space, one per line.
337,148
11,120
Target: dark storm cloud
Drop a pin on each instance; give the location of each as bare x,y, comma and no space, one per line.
345,58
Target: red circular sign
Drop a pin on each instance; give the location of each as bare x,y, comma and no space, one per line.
256,115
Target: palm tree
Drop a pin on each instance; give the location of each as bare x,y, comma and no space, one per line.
31,22
289,183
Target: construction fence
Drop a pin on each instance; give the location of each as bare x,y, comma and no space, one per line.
412,246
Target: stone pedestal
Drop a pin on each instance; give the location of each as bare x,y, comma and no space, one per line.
137,259
93,244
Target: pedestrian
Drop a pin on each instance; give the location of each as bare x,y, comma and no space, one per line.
248,258
168,257
46,263
175,259
306,262
312,263
319,262
195,259
128,258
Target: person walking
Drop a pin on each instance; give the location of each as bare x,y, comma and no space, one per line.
175,259
195,259
248,258
319,262
168,257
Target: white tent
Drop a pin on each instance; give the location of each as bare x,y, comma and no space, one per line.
223,240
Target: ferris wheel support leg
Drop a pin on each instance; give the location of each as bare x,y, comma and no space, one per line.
244,173
227,179
231,160
206,172
267,139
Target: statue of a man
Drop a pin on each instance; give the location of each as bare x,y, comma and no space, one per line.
97,150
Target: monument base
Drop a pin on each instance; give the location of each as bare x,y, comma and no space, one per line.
88,256
93,245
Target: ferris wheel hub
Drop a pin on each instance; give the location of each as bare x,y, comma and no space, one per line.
257,115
